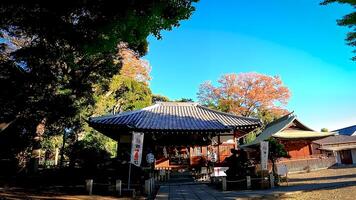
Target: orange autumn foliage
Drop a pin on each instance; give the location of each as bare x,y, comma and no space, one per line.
132,65
246,94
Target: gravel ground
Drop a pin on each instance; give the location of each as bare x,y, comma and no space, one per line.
346,190
341,174
344,193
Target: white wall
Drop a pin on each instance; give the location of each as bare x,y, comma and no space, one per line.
353,152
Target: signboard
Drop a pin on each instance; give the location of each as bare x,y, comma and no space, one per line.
264,155
282,170
136,148
203,170
219,171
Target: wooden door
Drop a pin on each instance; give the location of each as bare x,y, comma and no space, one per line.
346,157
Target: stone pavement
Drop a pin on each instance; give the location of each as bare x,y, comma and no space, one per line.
203,191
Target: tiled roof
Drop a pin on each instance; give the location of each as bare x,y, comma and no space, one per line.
176,116
337,139
287,127
351,130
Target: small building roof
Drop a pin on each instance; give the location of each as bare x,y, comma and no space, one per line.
287,127
336,139
175,116
295,134
338,148
350,130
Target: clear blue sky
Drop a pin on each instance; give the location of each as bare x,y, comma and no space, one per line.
296,39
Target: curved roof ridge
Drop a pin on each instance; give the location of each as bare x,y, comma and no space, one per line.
228,114
125,113
304,125
174,103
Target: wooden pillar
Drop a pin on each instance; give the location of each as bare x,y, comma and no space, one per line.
152,185
148,186
118,147
89,186
271,180
248,182
218,153
235,138
224,183
118,187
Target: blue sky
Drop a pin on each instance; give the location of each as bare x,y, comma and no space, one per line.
295,39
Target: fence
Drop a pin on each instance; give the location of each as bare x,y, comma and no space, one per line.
308,164
149,187
269,180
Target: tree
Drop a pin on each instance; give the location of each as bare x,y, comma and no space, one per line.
324,130
247,94
124,94
121,93
128,90
276,151
53,53
184,100
159,98
251,136
132,65
348,21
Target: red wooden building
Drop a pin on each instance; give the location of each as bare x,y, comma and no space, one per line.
298,141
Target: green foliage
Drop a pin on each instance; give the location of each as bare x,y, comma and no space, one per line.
64,50
184,100
268,116
348,20
89,152
123,94
52,54
276,151
159,98
251,136
324,130
50,143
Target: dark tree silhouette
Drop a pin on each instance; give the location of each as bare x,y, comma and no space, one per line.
53,52
348,20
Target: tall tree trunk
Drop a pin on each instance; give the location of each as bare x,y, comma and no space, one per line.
56,156
36,147
273,167
61,162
